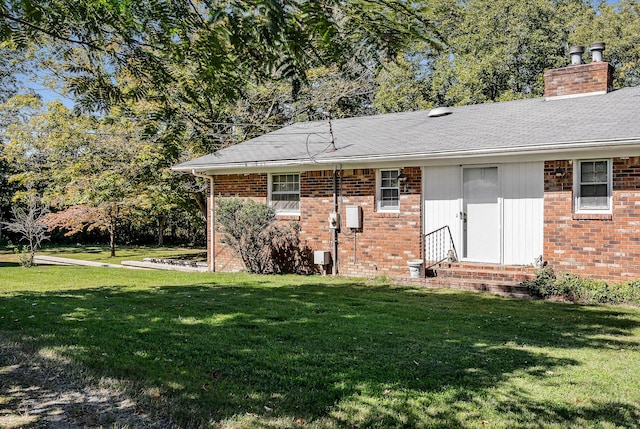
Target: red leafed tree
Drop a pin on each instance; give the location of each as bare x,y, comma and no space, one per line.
82,218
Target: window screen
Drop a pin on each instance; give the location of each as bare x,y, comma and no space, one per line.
285,193
594,185
389,192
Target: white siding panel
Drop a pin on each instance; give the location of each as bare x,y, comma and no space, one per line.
442,200
523,211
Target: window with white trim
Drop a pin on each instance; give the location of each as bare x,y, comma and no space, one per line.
388,190
593,186
284,193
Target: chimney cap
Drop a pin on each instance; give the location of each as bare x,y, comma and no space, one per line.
596,49
576,50
576,54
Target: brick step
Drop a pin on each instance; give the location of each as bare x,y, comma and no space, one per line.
460,273
505,280
474,266
496,287
505,273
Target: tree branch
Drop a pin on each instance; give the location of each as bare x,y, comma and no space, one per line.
50,33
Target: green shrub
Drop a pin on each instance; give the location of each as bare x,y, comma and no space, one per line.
627,292
24,256
581,290
544,284
578,289
265,247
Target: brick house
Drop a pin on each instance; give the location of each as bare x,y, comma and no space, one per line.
493,186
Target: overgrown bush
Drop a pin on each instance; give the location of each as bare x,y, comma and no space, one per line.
265,247
544,285
288,255
581,290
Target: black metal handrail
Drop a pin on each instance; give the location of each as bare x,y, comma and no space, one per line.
439,247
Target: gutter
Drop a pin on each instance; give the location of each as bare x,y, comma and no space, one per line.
211,260
547,148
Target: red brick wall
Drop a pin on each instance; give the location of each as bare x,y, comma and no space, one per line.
383,245
597,246
578,79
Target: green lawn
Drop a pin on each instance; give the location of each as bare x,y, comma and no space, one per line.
243,351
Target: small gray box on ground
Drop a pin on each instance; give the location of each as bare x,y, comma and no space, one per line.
321,257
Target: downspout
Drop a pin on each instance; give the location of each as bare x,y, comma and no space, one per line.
335,230
211,261
423,217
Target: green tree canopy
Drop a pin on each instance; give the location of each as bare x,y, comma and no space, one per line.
80,161
188,77
618,25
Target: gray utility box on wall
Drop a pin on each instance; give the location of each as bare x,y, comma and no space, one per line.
321,257
354,217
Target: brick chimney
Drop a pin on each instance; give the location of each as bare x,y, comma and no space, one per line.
578,79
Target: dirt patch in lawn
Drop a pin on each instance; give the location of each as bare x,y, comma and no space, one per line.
41,389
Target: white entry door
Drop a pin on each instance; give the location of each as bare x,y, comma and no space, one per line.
481,214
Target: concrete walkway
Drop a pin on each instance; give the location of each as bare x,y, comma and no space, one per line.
134,265
55,260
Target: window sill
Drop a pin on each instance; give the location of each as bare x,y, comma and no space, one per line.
395,214
287,216
592,216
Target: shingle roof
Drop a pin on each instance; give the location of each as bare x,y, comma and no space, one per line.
505,127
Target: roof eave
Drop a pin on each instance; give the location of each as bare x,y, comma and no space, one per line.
547,149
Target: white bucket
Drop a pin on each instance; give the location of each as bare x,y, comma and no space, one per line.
415,268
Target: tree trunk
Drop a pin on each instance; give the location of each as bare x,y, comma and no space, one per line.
113,224
112,240
201,201
32,253
161,223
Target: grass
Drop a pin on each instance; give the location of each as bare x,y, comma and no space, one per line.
243,351
100,253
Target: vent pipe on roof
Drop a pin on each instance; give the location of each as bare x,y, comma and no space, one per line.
439,111
576,54
596,49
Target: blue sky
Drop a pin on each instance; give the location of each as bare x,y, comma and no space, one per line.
47,94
